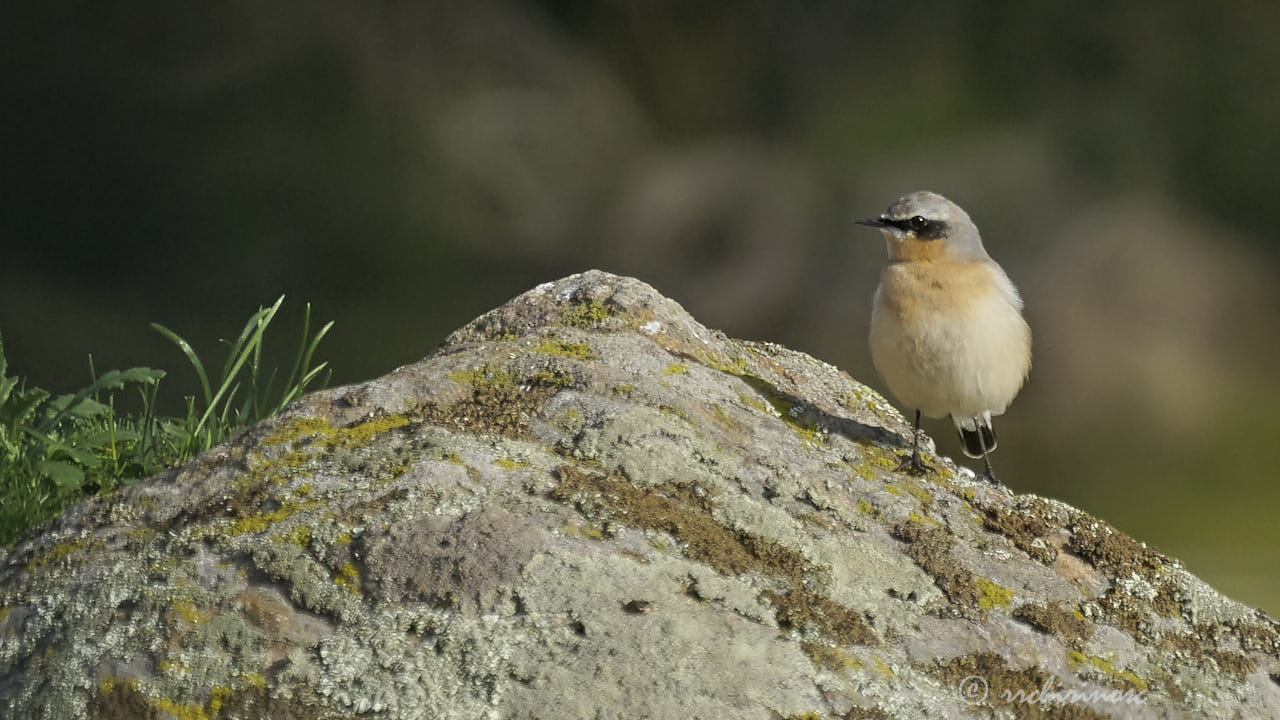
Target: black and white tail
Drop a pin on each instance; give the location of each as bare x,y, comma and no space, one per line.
976,435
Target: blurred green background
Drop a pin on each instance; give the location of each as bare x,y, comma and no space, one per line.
407,166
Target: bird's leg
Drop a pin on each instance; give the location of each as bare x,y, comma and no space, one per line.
914,465
987,473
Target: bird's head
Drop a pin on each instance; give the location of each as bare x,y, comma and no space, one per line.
926,227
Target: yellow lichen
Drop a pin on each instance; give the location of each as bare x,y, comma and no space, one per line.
865,471
879,457
674,411
991,595
265,520
675,369
924,496
188,611
361,434
786,410
510,464
553,378
917,517
1078,660
111,683
723,417
170,666
586,531
300,536
881,667
277,470
733,366
570,420
483,377
61,552
188,711
585,314
830,657
579,351
329,437
142,534
296,428
348,576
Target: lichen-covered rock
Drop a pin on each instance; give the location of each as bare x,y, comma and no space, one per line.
584,504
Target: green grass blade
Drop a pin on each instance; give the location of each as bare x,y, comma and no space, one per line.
244,347
235,349
293,390
251,332
228,386
298,362
7,384
255,370
261,404
190,352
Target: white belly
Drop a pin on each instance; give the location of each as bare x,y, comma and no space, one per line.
944,361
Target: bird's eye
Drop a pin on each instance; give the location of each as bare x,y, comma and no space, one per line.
918,223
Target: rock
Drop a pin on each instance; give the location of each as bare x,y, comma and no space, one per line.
584,504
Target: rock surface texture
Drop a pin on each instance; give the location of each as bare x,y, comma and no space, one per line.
584,504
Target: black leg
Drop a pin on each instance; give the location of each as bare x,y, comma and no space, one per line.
914,465
987,473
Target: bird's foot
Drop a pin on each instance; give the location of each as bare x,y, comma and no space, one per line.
914,465
987,473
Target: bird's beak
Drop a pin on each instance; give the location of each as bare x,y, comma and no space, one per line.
876,222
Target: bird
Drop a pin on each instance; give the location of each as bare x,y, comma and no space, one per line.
947,333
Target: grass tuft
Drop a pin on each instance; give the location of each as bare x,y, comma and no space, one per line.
55,451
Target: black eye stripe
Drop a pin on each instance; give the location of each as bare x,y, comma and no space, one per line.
930,230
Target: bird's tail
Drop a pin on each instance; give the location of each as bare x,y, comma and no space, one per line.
976,435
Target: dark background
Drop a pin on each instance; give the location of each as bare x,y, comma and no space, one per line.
405,167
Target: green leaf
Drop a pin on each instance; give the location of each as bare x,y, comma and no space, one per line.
108,381
19,411
65,475
86,408
107,437
79,455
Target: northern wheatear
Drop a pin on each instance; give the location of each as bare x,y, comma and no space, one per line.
947,334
